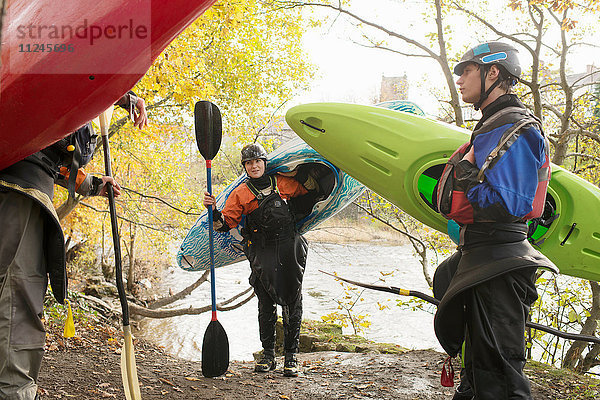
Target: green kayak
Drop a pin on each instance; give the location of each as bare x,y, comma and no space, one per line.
401,155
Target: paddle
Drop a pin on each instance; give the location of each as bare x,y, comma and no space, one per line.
128,369
215,347
434,301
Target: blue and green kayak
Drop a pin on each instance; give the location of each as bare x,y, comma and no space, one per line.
338,190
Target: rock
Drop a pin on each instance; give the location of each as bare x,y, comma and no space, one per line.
346,348
307,342
321,346
100,290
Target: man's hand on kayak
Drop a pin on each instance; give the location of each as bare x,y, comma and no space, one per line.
140,117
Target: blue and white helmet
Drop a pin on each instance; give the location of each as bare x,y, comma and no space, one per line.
491,53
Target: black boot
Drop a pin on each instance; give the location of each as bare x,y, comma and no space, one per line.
290,367
463,391
266,363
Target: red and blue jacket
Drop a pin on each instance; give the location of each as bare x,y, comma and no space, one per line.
509,180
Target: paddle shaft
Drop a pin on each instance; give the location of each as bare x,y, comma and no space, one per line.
436,302
211,246
115,233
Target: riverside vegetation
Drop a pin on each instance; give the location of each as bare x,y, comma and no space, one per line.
334,365
337,367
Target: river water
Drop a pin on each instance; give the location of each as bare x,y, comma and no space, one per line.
366,262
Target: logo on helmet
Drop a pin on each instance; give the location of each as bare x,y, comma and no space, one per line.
493,57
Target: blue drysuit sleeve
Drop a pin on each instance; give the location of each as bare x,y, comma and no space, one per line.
512,181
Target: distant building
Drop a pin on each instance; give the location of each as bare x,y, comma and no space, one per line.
393,88
591,76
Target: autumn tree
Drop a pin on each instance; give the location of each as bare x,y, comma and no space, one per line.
244,56
403,42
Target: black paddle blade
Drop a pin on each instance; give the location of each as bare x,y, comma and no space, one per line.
207,121
215,350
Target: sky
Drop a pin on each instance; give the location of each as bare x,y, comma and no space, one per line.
348,72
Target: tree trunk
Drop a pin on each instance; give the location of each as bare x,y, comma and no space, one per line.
574,354
131,272
65,208
560,150
590,360
134,309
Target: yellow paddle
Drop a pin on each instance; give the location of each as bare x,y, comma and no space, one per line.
128,369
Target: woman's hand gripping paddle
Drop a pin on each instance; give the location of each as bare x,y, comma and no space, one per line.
215,347
128,369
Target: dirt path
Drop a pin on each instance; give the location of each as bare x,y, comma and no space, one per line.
87,367
85,372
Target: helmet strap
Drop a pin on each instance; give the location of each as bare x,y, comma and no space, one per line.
484,93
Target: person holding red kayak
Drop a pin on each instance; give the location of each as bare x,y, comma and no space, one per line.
32,246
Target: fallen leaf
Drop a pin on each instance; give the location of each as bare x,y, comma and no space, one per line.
163,380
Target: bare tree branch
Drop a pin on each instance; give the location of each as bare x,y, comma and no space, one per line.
168,313
583,155
147,196
128,220
387,223
441,58
180,295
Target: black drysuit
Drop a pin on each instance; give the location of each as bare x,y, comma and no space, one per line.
276,252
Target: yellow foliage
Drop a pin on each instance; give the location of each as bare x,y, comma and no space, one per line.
245,57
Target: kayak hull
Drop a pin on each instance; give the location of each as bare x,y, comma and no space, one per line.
45,95
342,189
401,155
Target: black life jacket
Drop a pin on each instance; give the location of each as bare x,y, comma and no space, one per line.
273,218
74,151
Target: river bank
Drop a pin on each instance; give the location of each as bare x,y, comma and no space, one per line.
87,367
377,315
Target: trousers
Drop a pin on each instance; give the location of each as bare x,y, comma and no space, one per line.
486,289
496,312
267,318
23,283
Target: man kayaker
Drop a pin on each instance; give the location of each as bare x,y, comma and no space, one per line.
491,186
276,251
32,246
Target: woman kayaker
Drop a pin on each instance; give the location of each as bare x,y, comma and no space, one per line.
276,251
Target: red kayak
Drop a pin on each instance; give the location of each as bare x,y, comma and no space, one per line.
64,62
